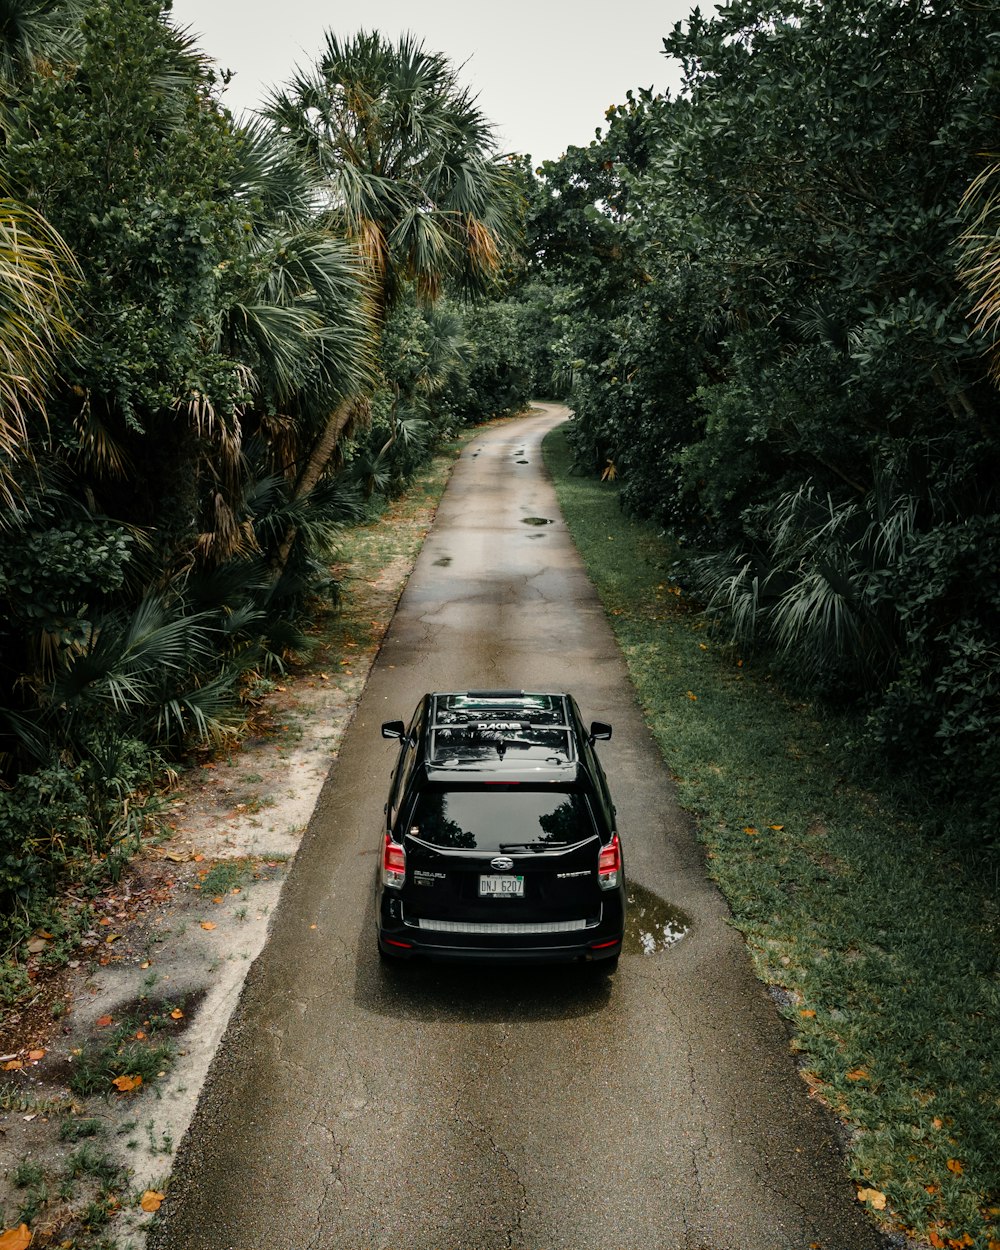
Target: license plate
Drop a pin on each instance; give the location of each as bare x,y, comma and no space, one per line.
501,886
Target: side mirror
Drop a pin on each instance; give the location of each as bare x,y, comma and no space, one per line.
393,729
599,730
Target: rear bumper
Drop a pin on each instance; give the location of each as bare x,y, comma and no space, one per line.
596,942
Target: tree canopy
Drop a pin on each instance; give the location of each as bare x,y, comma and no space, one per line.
771,337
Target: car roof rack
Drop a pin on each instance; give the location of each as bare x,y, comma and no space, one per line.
537,736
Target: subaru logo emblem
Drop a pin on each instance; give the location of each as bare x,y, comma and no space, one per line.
502,863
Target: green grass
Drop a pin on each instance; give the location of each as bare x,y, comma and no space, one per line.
881,942
133,1048
226,875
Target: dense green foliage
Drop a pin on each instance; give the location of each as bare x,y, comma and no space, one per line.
183,325
771,350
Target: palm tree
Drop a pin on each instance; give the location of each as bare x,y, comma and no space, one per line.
410,174
298,312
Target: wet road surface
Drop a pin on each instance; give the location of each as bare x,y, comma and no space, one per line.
354,1107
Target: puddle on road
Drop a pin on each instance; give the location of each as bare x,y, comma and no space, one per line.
442,562
536,520
651,925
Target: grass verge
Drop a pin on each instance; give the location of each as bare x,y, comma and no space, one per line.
880,945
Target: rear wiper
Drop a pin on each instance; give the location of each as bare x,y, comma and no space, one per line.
532,846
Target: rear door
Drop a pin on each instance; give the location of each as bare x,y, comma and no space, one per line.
501,853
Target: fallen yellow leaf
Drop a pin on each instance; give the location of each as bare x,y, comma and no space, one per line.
36,1054
12,1065
955,1165
808,1013
858,1074
16,1238
125,1084
103,1021
151,1200
208,924
177,1014
752,830
778,828
693,697
873,1196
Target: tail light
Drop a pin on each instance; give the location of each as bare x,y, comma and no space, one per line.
609,864
393,864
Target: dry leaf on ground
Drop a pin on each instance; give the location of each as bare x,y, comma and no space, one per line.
151,1200
16,1238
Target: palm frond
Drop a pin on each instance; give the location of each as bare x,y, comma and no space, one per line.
36,32
980,260
37,272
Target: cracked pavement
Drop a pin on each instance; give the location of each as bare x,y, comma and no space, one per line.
361,1107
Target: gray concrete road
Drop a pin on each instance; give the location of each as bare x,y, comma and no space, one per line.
355,1108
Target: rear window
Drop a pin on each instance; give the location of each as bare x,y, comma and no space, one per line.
501,818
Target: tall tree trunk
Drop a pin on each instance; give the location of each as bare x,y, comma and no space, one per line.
343,416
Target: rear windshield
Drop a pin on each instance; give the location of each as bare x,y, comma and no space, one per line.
501,818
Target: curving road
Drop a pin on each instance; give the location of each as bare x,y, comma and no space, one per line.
355,1108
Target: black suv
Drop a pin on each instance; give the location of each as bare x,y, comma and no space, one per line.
500,840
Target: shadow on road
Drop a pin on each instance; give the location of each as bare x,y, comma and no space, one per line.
474,993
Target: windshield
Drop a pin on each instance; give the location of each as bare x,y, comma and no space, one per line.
501,818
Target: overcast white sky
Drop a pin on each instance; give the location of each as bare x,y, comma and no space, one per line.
544,70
